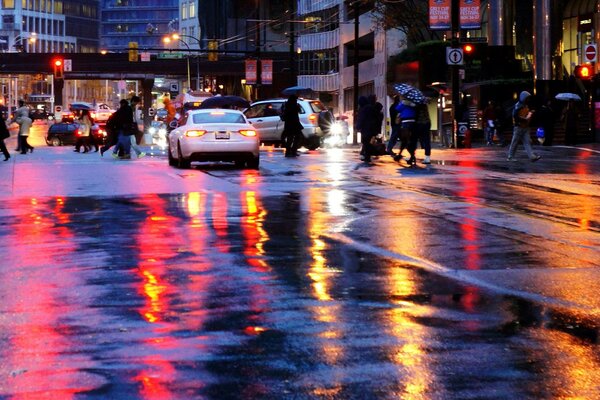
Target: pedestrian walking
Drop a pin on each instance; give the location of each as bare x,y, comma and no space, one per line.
292,129
84,132
422,132
368,123
546,119
112,134
570,117
394,125
490,121
4,134
123,123
408,114
521,118
136,137
24,122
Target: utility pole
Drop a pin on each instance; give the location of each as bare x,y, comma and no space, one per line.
356,6
293,71
455,27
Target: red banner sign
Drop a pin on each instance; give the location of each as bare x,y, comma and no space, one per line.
439,14
470,17
251,66
266,72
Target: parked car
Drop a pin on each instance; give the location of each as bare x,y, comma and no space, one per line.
265,116
40,114
67,133
213,135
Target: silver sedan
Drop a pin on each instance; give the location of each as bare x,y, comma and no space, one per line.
214,135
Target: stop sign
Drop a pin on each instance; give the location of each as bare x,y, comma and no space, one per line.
590,52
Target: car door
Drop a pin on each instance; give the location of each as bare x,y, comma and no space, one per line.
266,119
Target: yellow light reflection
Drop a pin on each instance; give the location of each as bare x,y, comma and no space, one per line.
193,204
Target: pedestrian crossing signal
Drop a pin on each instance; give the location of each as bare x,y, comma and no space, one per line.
583,72
58,68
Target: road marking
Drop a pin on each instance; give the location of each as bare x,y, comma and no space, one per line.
456,275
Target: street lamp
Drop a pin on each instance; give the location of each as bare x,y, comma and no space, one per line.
29,40
169,39
178,36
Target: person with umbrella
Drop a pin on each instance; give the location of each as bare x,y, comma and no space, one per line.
408,114
292,129
570,116
522,117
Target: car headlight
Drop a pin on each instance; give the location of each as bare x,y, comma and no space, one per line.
336,128
162,131
152,130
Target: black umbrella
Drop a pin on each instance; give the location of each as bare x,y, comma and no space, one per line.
225,102
299,91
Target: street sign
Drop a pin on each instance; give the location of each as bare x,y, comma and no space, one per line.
174,87
170,55
67,65
590,53
454,56
151,111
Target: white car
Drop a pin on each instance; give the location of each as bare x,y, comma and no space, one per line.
102,112
213,135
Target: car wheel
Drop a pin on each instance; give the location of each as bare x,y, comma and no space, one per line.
254,162
172,160
313,143
182,162
55,141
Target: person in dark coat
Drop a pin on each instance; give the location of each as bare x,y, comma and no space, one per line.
124,124
4,134
546,121
570,117
395,126
292,129
368,123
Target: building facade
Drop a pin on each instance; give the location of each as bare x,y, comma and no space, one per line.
327,46
141,21
60,26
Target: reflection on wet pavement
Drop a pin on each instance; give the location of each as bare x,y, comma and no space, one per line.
214,295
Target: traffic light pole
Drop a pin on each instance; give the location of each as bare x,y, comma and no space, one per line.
455,26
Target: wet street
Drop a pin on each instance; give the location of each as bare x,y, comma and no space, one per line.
317,277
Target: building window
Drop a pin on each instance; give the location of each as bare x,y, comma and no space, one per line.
366,49
192,9
184,11
8,3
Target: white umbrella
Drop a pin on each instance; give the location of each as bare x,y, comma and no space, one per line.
567,96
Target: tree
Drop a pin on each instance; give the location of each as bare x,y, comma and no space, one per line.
409,16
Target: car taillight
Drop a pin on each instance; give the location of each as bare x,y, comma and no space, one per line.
248,132
76,132
314,119
195,133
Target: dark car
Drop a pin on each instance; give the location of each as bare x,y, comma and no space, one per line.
62,133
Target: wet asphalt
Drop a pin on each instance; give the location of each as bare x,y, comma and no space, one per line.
313,278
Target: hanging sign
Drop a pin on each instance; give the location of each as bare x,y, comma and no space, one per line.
470,17
266,72
251,72
439,14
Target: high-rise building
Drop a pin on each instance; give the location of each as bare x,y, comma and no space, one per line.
140,21
49,26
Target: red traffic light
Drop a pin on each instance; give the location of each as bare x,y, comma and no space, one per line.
57,63
468,48
583,71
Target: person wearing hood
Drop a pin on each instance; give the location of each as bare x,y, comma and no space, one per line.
521,118
367,124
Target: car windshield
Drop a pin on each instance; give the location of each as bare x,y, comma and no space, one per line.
217,117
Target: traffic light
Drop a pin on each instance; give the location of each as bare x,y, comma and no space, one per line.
212,50
468,49
133,51
58,68
583,72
